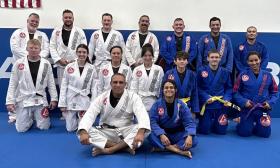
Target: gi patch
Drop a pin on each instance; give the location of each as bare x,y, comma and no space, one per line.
168,38
245,78
57,33
160,111
22,35
96,36
171,77
21,66
223,119
241,47
70,70
204,74
45,112
265,121
105,72
105,101
206,40
133,37
81,114
139,73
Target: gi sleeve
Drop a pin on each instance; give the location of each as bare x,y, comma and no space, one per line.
20,52
128,54
63,89
229,64
238,98
156,48
45,46
273,92
264,57
51,84
188,121
154,119
53,47
13,84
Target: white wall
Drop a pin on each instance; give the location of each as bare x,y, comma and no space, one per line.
236,15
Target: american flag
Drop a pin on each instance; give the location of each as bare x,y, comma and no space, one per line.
20,3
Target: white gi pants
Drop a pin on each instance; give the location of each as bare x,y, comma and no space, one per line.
99,137
148,101
25,116
60,71
72,119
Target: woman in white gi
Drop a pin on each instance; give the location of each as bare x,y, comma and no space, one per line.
147,78
78,88
108,70
26,95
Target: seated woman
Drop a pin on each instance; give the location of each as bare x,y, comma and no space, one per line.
172,125
146,78
214,82
255,91
77,88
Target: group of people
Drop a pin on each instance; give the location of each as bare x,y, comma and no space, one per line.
140,89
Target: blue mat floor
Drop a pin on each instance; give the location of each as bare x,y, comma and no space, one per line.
57,148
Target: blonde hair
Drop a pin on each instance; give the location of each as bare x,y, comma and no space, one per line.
34,42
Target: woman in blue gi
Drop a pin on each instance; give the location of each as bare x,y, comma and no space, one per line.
214,82
172,125
255,91
185,80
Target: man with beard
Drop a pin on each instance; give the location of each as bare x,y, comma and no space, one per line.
137,39
218,41
20,37
250,44
178,41
64,41
101,42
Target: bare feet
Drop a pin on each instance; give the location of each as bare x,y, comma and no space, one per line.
187,153
129,150
98,151
237,120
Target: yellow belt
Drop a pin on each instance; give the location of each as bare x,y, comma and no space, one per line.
219,98
186,100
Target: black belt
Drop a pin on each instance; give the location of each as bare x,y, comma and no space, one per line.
104,125
174,130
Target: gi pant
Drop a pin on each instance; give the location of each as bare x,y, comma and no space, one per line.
72,119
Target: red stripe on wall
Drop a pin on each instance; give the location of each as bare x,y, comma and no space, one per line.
14,3
22,3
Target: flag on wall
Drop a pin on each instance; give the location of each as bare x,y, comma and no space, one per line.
20,3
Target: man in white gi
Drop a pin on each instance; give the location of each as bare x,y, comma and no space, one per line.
64,41
20,37
117,130
101,41
137,39
108,70
26,95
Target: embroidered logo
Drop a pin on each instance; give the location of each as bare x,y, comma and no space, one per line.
245,78
45,112
171,77
21,66
204,74
105,72
57,33
70,70
241,47
139,74
22,35
223,119
206,40
105,101
160,111
96,36
133,37
168,38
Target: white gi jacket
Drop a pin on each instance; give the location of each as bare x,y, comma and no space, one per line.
145,85
19,39
75,88
57,48
122,115
105,74
27,93
101,49
134,49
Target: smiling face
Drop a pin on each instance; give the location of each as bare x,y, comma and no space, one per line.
251,33
82,54
148,58
116,55
68,19
215,26
178,26
32,23
144,23
254,62
169,90
107,22
214,59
